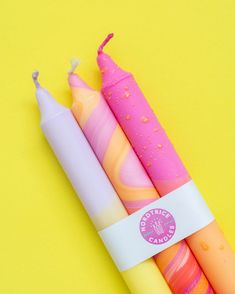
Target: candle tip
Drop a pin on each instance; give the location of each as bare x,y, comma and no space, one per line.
106,40
74,63
35,75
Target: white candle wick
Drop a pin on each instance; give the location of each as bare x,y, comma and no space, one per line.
74,63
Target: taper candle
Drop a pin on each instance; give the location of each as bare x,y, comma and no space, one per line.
164,167
91,183
129,179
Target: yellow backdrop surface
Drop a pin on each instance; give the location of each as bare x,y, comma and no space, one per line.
183,56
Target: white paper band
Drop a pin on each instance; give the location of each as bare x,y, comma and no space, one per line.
157,226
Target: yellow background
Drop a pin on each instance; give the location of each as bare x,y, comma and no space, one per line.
183,56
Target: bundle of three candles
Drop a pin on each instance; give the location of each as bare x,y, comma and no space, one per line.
131,182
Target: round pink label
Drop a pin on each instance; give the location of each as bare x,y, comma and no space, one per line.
157,226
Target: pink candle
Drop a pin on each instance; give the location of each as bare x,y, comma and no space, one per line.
163,165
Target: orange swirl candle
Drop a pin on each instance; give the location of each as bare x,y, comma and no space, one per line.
164,168
130,180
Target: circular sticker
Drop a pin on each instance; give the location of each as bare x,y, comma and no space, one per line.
157,226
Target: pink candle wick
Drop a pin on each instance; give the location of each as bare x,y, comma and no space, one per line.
106,40
35,75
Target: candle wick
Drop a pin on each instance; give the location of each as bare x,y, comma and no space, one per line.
35,75
106,40
74,63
